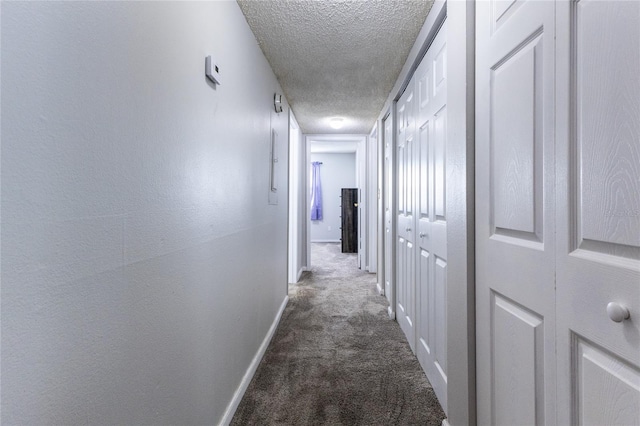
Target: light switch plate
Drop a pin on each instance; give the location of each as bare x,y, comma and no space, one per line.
212,70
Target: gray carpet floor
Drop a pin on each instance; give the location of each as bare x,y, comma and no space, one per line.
336,357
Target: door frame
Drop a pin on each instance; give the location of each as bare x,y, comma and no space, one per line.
372,199
294,238
383,194
461,314
360,143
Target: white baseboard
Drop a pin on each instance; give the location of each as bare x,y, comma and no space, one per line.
445,422
380,289
237,396
303,269
325,241
392,313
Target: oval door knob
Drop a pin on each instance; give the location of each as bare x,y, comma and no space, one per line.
617,312
422,235
407,229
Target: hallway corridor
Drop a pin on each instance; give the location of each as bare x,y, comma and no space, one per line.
155,200
337,358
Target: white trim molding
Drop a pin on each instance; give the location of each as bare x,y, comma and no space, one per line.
244,384
303,269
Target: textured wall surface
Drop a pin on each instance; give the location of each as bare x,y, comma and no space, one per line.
141,263
336,57
336,172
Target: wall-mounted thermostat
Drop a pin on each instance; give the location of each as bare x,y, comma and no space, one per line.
277,102
212,70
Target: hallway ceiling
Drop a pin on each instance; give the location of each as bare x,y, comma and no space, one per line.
336,58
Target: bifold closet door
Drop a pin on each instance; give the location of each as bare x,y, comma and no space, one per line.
557,212
431,239
515,213
421,243
598,212
405,243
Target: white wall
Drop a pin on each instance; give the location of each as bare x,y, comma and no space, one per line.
141,264
337,171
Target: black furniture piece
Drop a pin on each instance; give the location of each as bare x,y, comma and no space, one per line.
349,220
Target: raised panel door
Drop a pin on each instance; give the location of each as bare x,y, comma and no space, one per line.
405,301
515,196
430,214
598,215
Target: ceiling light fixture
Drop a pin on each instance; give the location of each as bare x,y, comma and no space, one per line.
336,122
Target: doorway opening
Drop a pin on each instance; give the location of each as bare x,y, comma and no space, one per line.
344,159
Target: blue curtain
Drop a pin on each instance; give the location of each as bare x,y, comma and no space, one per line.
316,192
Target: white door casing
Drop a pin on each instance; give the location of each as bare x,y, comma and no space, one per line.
293,197
380,223
372,196
515,222
405,242
598,211
361,180
431,238
389,213
357,143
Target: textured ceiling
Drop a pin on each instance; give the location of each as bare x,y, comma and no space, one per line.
336,58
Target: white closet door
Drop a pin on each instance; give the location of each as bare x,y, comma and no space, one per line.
405,245
431,262
515,214
598,215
